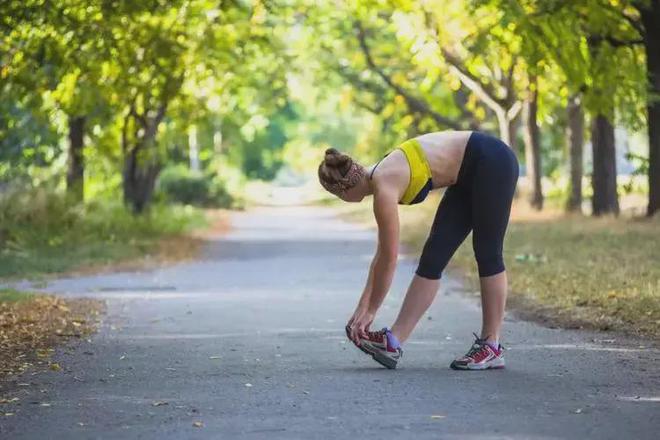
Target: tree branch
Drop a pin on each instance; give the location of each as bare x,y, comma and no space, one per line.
415,104
613,41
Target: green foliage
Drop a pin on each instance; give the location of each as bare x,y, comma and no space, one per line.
179,184
42,232
13,295
264,84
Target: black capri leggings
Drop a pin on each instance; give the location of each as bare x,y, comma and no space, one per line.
479,201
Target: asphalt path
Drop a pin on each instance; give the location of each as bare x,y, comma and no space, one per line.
247,342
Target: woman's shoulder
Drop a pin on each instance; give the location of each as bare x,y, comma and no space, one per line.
390,171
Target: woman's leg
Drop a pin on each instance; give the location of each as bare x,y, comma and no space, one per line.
419,298
492,193
451,225
493,301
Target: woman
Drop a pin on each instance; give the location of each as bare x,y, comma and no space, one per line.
480,173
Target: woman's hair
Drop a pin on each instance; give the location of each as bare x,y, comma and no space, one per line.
338,172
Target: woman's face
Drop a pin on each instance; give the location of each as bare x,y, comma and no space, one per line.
355,194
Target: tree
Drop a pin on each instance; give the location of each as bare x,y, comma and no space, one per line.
582,38
650,19
575,141
57,53
166,53
533,144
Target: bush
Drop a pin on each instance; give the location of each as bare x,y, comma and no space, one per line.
41,231
179,184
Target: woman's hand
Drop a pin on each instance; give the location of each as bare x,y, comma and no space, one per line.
358,325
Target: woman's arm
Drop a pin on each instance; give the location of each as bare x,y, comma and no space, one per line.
383,264
366,293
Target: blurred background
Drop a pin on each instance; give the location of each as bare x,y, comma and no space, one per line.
119,119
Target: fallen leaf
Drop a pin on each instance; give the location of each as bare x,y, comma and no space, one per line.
55,366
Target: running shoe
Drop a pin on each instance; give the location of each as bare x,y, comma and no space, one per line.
377,345
348,335
480,357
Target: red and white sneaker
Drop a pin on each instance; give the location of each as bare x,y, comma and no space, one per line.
377,345
480,357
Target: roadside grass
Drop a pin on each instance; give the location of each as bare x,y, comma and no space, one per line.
40,233
572,271
12,295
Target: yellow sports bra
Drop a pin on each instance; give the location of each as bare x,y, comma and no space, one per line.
420,173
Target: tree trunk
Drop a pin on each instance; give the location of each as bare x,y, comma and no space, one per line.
141,164
139,179
651,20
512,132
605,199
193,148
575,140
75,176
533,147
508,128
217,141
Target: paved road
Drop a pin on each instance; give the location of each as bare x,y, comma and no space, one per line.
249,341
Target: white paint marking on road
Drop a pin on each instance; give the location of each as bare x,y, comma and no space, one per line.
655,399
283,331
585,347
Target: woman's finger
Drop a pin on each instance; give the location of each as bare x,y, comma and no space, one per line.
348,331
363,331
356,335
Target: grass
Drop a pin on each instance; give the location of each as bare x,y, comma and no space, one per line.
40,233
13,296
573,271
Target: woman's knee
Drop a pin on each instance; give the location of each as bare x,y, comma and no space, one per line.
489,265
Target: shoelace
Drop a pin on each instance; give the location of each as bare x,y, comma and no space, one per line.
375,334
478,345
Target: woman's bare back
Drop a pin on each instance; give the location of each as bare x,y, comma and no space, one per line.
444,151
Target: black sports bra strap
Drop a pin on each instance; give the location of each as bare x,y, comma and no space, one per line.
371,174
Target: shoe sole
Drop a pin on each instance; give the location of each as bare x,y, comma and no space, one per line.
471,367
385,361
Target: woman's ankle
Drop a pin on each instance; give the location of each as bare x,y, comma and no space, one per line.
392,340
396,332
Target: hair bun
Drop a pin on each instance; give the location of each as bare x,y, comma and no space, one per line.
335,159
